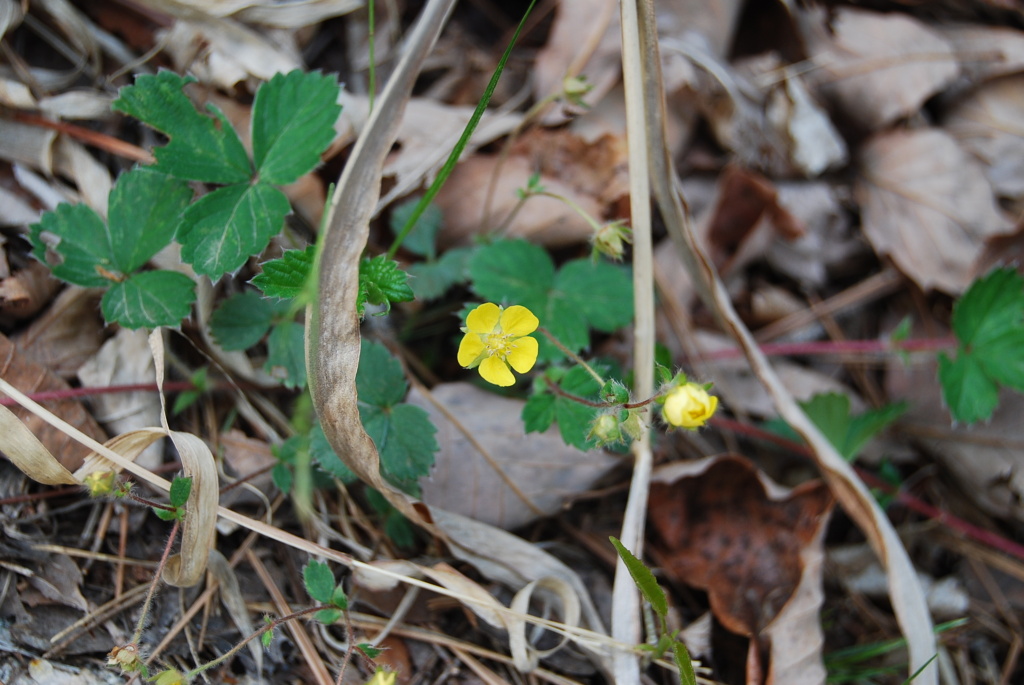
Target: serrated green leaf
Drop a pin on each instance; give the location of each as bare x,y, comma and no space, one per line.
242,320
72,240
286,351
145,212
643,578
181,488
513,272
430,280
293,119
149,299
603,292
848,433
380,380
404,437
684,663
969,392
266,638
1002,358
327,459
991,307
166,514
286,276
422,239
538,412
282,477
201,148
382,282
221,230
319,581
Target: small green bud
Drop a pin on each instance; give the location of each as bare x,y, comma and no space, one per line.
605,430
614,392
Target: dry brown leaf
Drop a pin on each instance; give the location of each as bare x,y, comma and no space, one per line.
19,444
877,67
30,145
989,123
125,359
25,292
727,530
68,333
927,205
15,210
540,465
198,528
30,377
985,51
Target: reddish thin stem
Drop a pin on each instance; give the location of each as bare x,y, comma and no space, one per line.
977,533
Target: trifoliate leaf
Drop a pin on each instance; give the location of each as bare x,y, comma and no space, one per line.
181,488
282,477
339,598
404,437
643,578
223,229
286,352
286,276
422,239
319,581
149,299
242,320
72,240
293,119
989,325
848,433
538,412
430,280
381,282
603,292
327,459
379,378
145,212
201,148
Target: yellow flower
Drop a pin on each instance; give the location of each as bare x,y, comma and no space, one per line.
689,406
382,677
100,483
497,338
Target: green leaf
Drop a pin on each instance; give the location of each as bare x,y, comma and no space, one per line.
201,148
847,432
422,239
166,514
404,437
381,282
145,212
380,380
327,459
970,393
242,320
989,324
72,240
149,299
602,292
181,488
293,119
282,477
328,616
339,598
513,272
319,580
430,280
539,412
223,229
286,350
286,276
187,398
266,638
684,663
575,419
643,578
369,650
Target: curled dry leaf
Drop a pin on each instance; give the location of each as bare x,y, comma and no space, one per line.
728,530
26,291
29,377
198,528
21,446
526,656
927,205
539,465
482,603
989,123
234,602
877,67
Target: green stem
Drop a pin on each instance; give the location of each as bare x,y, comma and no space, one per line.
594,224
597,405
572,355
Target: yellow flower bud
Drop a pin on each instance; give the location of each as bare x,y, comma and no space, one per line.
689,406
100,483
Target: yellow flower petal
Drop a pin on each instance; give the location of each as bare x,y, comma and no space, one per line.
689,406
523,354
496,371
518,320
484,318
469,349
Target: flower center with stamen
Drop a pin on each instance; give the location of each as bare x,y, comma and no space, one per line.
499,344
